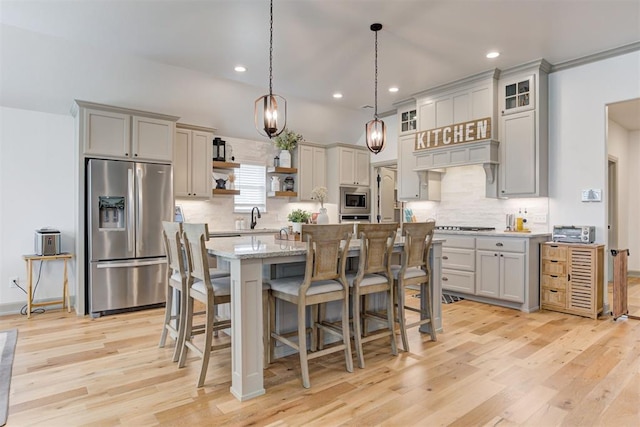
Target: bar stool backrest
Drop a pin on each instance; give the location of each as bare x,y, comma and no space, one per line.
376,245
417,244
328,245
172,232
198,261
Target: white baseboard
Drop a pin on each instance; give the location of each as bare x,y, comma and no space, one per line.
16,307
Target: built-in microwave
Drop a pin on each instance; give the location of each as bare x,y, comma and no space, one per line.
355,201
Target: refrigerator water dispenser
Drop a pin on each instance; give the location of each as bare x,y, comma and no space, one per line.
111,212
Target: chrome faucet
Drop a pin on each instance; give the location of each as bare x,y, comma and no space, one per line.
253,219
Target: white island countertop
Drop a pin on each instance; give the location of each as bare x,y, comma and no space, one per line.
244,232
245,247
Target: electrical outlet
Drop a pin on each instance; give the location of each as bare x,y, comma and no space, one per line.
14,281
540,219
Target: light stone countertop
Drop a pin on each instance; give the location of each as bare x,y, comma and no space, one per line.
255,231
495,233
245,247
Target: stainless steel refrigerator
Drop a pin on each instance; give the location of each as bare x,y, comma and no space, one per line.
126,204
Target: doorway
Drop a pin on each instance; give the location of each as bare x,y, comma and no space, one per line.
623,197
386,207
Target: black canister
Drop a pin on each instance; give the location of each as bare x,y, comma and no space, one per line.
288,183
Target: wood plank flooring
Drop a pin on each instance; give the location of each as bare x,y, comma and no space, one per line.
491,366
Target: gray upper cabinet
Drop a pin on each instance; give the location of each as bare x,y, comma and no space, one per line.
523,131
353,165
113,132
192,161
311,170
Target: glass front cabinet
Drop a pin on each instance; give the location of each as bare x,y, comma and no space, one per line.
518,95
408,121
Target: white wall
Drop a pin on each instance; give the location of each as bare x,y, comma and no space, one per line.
36,186
577,135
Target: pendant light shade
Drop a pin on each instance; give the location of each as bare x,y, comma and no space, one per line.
375,130
270,111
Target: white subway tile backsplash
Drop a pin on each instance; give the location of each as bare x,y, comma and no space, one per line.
463,202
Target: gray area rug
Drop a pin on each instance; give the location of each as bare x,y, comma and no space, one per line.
446,298
7,348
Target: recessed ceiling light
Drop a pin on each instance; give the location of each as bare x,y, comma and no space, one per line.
492,55
240,68
337,95
393,89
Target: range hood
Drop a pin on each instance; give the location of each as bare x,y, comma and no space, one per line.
481,152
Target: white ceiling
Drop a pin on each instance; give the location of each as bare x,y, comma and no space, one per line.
324,46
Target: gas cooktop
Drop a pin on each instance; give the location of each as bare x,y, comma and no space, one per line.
463,228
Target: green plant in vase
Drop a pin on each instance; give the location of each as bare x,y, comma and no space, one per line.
298,217
287,141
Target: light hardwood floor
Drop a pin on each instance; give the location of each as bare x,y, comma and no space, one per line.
491,366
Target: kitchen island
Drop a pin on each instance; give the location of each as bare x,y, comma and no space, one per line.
249,260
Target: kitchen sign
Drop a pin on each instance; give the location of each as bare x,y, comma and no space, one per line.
458,133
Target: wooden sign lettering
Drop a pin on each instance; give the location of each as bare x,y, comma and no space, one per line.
458,133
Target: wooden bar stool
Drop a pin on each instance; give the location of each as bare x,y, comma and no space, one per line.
209,291
324,281
414,270
176,288
373,276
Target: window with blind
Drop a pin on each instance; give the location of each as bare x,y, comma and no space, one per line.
251,181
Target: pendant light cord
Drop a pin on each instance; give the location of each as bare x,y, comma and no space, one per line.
375,111
271,50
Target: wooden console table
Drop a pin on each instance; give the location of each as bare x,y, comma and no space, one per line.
65,288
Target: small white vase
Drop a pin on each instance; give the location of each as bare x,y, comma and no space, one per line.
297,227
323,218
285,159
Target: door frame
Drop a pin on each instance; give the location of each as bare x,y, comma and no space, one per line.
375,167
612,210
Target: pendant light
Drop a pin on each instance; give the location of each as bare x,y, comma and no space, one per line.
270,110
375,130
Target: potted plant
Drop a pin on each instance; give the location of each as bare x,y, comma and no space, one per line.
287,141
298,217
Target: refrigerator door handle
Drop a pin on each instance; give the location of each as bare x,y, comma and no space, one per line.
130,198
119,264
139,203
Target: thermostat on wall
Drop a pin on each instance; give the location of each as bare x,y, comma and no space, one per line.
591,195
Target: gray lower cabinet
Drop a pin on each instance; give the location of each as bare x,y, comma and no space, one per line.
499,270
500,275
458,264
